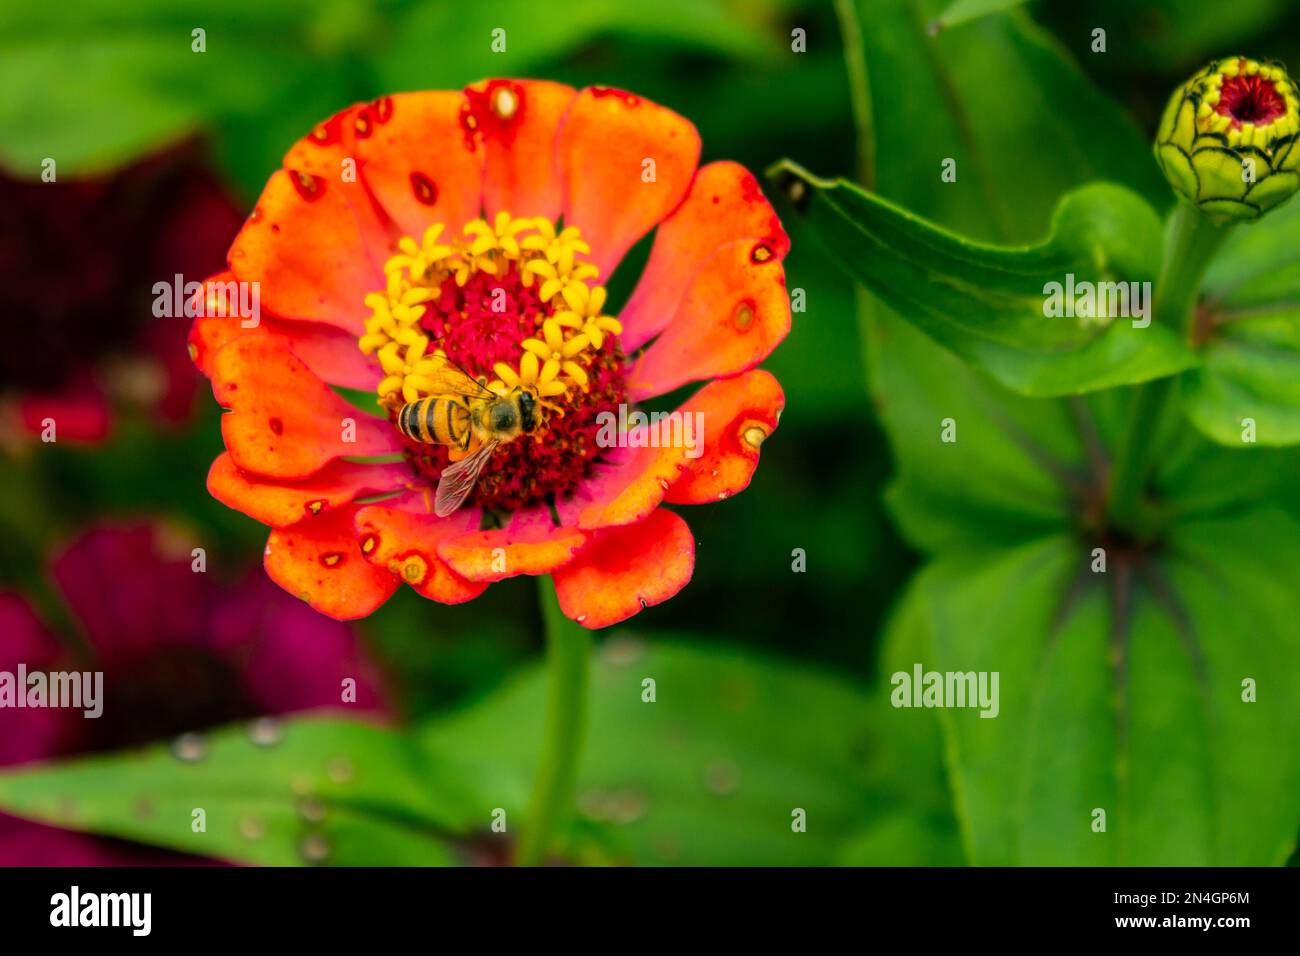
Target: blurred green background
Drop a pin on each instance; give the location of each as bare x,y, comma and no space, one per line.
99,86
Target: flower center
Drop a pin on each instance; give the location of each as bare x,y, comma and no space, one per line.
1250,99
513,304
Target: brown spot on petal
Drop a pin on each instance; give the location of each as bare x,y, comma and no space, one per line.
276,425
505,102
309,187
629,100
411,568
363,124
383,108
426,191
469,123
332,559
743,317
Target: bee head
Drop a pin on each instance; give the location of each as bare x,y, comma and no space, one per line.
527,412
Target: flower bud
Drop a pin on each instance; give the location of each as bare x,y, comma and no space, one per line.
1227,141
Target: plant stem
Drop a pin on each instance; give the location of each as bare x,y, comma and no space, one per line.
568,661
1191,241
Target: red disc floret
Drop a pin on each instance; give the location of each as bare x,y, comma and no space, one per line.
1250,99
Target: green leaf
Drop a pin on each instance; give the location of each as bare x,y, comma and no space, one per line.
1019,467
988,303
1123,692
1250,324
963,11
1161,42
709,773
1001,98
363,794
912,823
98,85
534,36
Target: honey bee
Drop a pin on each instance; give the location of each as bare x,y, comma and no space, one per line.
463,414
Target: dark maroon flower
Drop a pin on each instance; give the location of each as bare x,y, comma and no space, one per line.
78,262
180,651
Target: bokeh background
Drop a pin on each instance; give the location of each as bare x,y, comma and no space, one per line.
160,153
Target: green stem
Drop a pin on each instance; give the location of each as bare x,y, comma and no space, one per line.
568,660
1191,241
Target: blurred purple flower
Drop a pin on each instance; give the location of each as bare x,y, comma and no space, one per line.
180,651
78,261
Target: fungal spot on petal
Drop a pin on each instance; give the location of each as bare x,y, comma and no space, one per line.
505,102
753,436
411,568
469,123
363,125
383,108
309,187
628,99
317,506
762,252
369,543
332,559
426,191
744,316
193,351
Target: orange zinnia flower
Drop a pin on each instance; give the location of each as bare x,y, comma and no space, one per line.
472,227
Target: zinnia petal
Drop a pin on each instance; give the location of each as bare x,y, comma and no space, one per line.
320,561
518,120
735,313
283,421
308,251
607,143
327,350
623,570
739,414
422,161
280,504
530,544
724,205
401,539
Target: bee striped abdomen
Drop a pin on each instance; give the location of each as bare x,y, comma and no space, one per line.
435,421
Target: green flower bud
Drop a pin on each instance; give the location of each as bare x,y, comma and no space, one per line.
1227,141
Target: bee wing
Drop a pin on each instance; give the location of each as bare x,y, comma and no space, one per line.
451,379
458,480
